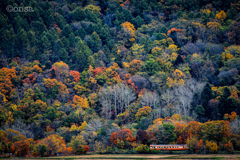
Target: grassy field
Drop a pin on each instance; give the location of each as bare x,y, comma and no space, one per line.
145,156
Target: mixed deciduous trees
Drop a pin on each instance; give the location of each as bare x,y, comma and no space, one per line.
94,74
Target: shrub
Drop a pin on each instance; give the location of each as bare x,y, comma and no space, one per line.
142,149
211,147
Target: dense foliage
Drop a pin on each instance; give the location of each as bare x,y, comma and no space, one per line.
114,76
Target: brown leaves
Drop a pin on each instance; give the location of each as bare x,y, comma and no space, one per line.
21,148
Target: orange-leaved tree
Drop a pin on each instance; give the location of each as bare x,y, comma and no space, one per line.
13,141
122,139
180,133
21,148
76,75
54,143
6,77
230,117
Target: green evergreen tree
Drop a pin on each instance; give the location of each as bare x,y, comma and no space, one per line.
178,61
49,18
152,66
163,30
23,42
224,106
51,113
53,92
104,35
90,29
111,44
63,54
139,21
67,30
78,14
191,15
166,134
206,95
3,21
38,26
119,18
61,22
45,43
200,111
231,14
71,40
65,42
81,56
95,42
91,16
38,95
127,14
81,33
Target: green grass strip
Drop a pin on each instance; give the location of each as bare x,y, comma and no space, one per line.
191,158
68,158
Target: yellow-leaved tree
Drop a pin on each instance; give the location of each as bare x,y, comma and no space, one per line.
127,34
211,147
157,51
80,101
143,112
93,8
177,78
129,27
226,56
137,50
221,16
75,127
214,26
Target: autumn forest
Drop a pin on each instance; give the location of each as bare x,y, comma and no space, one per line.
115,76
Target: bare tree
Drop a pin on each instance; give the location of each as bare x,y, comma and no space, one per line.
235,126
93,125
118,96
167,101
152,100
184,95
21,127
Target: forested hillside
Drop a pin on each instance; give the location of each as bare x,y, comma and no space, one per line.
114,76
